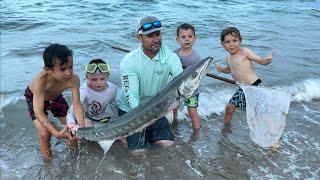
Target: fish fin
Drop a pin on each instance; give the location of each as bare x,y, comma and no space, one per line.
105,145
169,116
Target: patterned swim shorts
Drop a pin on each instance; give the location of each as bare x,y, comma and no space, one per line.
192,101
239,99
58,106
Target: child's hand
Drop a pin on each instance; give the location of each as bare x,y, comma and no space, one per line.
218,68
269,58
64,133
73,127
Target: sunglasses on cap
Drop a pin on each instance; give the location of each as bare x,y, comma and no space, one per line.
149,26
91,68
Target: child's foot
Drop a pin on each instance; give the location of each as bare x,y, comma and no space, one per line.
195,135
275,147
226,129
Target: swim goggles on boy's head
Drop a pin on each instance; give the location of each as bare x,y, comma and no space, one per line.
91,68
149,26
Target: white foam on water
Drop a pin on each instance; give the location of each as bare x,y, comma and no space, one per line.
211,100
8,99
305,90
307,118
214,99
117,171
188,162
296,144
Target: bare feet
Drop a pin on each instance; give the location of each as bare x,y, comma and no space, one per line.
226,129
275,147
195,135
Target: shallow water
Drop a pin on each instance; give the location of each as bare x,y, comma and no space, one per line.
90,27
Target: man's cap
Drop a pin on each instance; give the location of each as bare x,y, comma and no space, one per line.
147,19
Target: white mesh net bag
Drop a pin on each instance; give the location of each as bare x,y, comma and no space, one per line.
266,113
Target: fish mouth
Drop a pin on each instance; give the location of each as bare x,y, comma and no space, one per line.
198,75
204,70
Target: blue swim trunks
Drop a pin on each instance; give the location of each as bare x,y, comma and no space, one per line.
238,99
160,130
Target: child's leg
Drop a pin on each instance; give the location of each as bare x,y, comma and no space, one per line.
44,139
175,112
193,113
230,108
174,123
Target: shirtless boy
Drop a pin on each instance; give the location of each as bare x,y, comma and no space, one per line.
239,64
44,93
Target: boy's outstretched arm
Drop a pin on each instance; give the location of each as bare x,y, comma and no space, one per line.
38,105
76,103
220,69
263,61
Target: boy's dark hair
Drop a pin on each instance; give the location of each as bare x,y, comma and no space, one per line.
230,30
185,26
97,61
56,51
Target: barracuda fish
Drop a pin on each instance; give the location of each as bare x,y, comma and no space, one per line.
148,111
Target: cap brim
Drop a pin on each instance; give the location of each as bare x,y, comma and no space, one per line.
150,31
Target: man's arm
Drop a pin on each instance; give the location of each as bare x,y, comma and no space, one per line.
176,66
76,103
130,83
263,61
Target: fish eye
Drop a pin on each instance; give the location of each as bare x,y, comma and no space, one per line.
194,75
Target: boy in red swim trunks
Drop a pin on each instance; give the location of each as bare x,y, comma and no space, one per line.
44,93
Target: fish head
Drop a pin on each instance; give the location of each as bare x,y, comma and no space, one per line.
192,76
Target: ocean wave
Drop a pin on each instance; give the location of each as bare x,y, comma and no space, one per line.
9,99
305,90
212,99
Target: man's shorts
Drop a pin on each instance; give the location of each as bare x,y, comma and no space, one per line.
192,101
58,106
160,130
238,99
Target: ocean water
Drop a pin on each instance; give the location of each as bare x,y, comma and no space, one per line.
290,28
